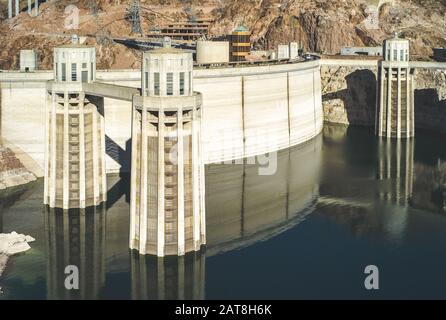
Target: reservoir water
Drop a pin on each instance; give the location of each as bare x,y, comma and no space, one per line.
336,204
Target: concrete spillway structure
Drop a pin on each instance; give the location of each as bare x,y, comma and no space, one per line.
395,116
75,175
167,177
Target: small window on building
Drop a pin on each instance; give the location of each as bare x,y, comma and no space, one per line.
181,82
395,54
64,72
146,79
91,71
57,73
190,82
169,83
84,65
156,83
84,74
73,72
401,55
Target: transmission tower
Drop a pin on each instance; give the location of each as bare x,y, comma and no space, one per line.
133,15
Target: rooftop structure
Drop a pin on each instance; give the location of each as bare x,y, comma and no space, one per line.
74,63
183,30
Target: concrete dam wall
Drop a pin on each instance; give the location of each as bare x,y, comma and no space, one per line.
247,111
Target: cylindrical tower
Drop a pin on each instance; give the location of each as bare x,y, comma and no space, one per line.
167,181
395,103
75,141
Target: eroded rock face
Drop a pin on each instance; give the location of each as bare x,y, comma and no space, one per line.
12,171
349,97
328,25
318,25
430,100
11,244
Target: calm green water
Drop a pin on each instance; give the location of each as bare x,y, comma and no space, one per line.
338,203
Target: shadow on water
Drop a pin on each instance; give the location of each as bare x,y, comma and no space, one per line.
430,110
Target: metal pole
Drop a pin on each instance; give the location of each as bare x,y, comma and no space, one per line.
9,9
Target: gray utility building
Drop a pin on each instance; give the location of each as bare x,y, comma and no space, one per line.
28,60
361,51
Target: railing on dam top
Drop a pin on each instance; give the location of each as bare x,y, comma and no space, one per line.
241,64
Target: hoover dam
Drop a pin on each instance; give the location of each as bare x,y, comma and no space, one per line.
247,111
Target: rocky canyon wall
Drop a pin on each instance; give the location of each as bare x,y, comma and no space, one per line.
12,171
349,96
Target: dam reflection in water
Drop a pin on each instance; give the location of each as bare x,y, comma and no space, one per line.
379,189
382,181
242,208
76,238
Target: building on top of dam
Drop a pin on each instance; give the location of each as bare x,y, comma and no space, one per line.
361,51
395,116
28,60
240,43
167,179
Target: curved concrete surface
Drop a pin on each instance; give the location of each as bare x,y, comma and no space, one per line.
247,110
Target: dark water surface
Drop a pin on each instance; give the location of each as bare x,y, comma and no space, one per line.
338,203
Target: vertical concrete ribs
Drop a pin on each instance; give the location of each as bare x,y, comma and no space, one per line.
167,179
75,174
395,103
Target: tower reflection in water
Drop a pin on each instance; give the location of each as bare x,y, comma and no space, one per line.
75,237
377,177
396,170
175,278
243,208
